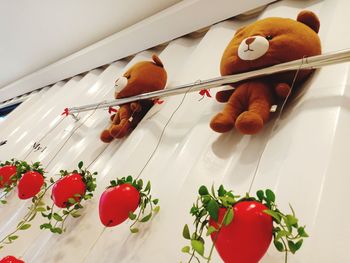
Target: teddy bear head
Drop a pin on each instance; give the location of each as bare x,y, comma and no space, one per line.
143,77
272,41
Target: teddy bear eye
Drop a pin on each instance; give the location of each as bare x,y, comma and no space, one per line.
269,37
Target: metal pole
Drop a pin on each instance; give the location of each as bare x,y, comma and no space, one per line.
304,63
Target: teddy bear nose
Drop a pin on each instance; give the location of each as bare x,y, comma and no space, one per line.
250,40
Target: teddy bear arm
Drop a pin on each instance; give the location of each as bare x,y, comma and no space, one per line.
224,95
136,106
282,90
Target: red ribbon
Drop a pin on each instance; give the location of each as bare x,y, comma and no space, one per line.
65,112
111,109
205,92
158,101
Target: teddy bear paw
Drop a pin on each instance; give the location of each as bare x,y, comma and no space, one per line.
249,123
222,123
106,136
120,130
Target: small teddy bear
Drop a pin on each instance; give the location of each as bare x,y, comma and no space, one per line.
143,77
261,44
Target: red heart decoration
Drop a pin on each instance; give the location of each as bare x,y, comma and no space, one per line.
30,184
116,203
247,238
6,172
67,187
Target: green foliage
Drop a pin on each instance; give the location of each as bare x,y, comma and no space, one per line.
288,235
56,220
21,168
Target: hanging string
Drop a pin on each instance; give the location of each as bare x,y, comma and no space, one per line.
274,126
163,131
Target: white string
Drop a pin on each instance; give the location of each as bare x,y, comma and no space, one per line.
274,126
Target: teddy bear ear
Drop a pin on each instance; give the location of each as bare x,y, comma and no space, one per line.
157,60
310,19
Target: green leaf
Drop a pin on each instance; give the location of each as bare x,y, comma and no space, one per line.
75,214
80,164
148,186
146,218
213,209
198,246
11,238
270,195
291,220
298,244
71,201
260,195
57,217
203,190
282,233
221,191
156,209
25,226
3,202
228,217
301,232
274,214
279,245
211,230
155,201
56,230
134,230
129,179
186,232
140,183
40,209
47,225
132,216
292,246
186,249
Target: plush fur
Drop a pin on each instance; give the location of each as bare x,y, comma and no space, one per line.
143,77
264,43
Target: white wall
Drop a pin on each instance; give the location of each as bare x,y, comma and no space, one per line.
36,33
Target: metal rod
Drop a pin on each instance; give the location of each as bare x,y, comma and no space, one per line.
304,63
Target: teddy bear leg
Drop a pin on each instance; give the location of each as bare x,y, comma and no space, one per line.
121,124
106,136
225,120
252,121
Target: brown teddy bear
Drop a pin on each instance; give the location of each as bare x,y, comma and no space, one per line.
143,77
264,43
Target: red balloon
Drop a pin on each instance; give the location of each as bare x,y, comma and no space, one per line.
11,259
247,238
116,203
6,172
30,184
67,187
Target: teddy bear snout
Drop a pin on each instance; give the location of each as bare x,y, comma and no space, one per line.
120,83
252,48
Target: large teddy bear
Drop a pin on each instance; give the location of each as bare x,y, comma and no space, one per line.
143,77
264,43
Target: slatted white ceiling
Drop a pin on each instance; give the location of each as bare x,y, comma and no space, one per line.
304,162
